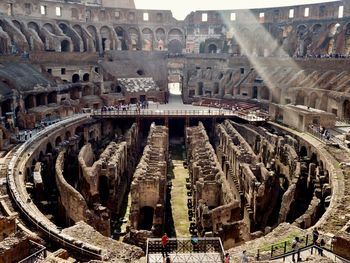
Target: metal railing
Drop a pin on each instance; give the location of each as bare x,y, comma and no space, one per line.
25,209
185,250
189,113
314,249
37,253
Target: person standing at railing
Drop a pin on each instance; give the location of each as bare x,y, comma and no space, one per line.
295,249
165,245
315,235
227,258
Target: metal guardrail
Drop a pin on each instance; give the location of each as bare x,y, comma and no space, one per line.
38,253
25,210
316,249
210,248
180,113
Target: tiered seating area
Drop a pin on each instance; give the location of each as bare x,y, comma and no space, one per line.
227,104
138,84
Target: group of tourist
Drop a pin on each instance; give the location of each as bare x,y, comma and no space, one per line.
316,240
125,107
322,131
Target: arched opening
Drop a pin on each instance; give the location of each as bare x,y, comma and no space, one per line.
52,97
75,78
103,189
134,38
346,109
65,46
86,77
300,98
106,36
146,218
49,148
93,32
30,102
200,89
303,152
175,46
6,106
264,93
58,141
313,100
67,135
147,35
41,99
324,102
212,48
122,37
255,92
118,89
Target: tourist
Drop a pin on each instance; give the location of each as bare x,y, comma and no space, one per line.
165,245
320,249
244,257
227,258
295,249
315,235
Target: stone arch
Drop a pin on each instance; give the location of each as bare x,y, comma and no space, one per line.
212,48
79,30
92,30
58,141
175,46
346,109
73,36
300,97
324,102
175,33
41,99
316,29
86,77
160,38
49,148
106,38
75,78
301,30
65,45
332,32
67,135
52,97
148,38
313,100
264,93
30,101
122,38
49,27
303,152
34,26
134,38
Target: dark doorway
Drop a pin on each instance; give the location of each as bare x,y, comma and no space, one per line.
65,46
255,92
146,218
103,190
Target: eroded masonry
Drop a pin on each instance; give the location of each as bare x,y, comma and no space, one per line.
98,99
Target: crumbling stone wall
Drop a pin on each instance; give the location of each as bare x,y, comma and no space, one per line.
265,170
148,188
7,226
217,208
